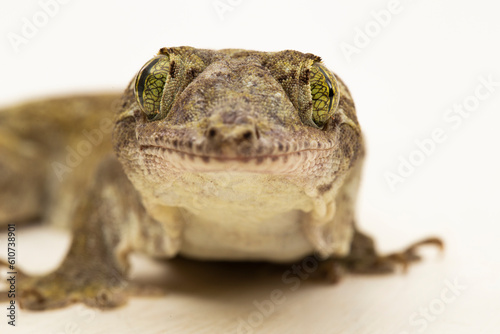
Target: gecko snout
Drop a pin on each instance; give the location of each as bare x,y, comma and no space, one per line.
231,134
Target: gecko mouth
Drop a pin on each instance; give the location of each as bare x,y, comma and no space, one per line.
279,163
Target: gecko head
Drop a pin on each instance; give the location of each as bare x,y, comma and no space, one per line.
205,111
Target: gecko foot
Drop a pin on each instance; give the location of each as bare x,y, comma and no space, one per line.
101,289
68,285
364,259
60,289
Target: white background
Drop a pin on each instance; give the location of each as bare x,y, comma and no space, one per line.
429,57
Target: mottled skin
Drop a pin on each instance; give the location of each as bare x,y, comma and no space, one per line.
230,167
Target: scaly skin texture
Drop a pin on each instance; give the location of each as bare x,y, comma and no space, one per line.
230,164
40,167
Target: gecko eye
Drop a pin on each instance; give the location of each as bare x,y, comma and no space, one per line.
324,93
149,85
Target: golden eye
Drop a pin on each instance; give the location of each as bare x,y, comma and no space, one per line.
324,93
149,85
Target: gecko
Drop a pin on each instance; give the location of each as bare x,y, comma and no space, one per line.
231,155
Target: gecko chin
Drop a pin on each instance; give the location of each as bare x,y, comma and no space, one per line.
301,162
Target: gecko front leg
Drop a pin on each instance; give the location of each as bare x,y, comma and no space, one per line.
94,271
344,249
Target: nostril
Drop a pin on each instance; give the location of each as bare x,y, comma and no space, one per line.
212,133
247,135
